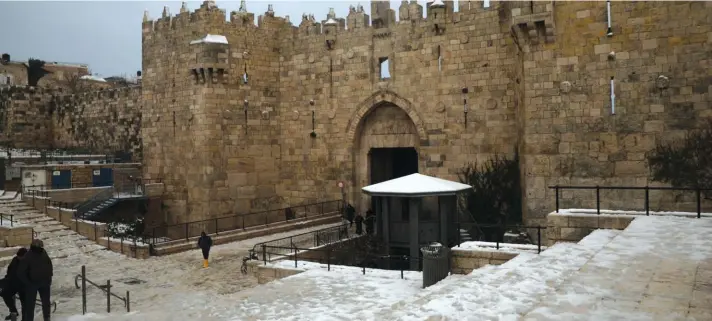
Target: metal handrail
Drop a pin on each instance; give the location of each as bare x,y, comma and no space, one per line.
91,203
216,220
107,290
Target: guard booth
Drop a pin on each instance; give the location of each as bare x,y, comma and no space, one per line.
415,210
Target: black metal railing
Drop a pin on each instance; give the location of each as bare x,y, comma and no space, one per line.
93,202
329,235
41,190
331,257
104,288
184,231
499,230
698,194
7,219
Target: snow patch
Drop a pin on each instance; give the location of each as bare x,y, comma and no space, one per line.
211,39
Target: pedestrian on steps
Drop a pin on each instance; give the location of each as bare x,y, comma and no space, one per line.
35,271
204,243
11,285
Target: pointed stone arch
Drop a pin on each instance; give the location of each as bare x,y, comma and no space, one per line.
377,99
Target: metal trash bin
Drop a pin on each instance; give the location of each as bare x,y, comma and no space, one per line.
436,263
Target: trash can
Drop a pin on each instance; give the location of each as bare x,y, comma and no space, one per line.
436,263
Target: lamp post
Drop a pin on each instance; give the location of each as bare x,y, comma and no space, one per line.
464,103
313,132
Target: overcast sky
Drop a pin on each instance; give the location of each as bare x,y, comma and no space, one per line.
107,34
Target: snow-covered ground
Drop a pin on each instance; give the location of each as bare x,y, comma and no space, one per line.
610,275
659,268
157,281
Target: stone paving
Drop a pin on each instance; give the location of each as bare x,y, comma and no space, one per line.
657,269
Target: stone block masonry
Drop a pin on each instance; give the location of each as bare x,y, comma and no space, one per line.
228,126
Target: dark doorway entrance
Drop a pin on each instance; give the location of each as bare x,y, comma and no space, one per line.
390,163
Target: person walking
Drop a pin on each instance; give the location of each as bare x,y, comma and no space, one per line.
11,285
35,271
370,221
350,213
359,224
204,243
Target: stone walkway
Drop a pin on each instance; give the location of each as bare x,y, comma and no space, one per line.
657,269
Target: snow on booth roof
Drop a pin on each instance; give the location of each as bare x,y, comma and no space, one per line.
211,39
415,185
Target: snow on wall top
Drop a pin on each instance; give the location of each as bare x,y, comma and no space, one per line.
94,78
415,185
211,39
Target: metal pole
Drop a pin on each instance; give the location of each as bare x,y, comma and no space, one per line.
538,237
647,200
216,226
128,302
328,259
264,253
108,296
84,290
556,190
598,200
186,232
295,257
699,203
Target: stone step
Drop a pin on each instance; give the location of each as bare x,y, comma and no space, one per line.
52,228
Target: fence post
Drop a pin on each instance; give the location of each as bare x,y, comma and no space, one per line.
295,256
84,289
128,302
699,202
598,200
216,226
556,190
328,259
95,234
316,236
33,198
647,200
538,237
186,232
108,296
264,253
46,204
122,244
243,222
459,234
266,219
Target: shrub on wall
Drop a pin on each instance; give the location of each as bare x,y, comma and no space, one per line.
686,163
496,197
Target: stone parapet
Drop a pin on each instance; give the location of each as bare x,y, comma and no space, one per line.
16,236
568,227
464,261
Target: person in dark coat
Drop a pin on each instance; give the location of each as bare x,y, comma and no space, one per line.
204,243
359,224
350,213
35,271
11,285
370,221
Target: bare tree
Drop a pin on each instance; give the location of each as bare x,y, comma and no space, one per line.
76,84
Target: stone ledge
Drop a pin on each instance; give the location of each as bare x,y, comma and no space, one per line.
16,236
573,227
463,261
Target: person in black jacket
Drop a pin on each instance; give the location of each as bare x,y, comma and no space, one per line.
204,243
11,285
35,271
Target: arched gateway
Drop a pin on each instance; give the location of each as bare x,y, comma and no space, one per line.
386,133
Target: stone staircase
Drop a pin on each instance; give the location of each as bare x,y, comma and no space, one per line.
54,234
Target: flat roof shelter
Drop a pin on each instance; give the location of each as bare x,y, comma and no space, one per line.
403,220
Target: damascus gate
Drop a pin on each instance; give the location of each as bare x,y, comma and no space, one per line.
237,112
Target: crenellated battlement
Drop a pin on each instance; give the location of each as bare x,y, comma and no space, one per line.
409,13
